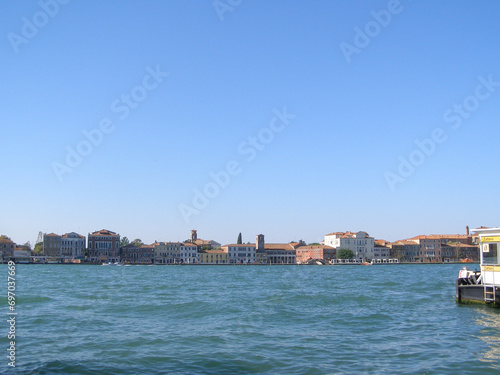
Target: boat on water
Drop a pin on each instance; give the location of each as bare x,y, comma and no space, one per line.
482,286
113,264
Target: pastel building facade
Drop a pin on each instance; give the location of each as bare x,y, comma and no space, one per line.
73,246
240,254
167,253
435,247
175,253
189,253
213,257
361,244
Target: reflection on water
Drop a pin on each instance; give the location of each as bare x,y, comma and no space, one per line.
489,319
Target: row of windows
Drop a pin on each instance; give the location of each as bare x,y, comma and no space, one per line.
103,245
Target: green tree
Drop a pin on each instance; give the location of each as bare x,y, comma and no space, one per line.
38,250
239,242
137,242
124,241
345,254
314,244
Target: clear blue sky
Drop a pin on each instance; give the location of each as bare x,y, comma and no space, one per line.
325,171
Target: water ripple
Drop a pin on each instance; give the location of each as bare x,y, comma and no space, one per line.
244,320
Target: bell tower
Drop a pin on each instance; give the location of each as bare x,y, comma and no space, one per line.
259,242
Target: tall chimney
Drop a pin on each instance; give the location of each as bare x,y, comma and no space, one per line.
467,230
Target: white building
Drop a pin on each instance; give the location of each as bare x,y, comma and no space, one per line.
73,246
189,253
240,254
361,244
175,253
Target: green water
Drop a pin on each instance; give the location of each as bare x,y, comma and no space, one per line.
79,319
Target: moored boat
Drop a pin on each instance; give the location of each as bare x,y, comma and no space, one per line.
482,286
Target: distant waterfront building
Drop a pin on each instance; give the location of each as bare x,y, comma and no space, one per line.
261,257
240,254
132,254
361,244
455,252
52,245
436,248
7,248
280,253
381,251
73,246
274,253
431,246
103,246
189,253
167,253
175,253
406,251
213,257
206,244
307,253
22,256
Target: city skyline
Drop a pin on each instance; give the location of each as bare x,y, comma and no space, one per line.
246,239
153,119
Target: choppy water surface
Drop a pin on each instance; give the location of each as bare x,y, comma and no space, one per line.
79,319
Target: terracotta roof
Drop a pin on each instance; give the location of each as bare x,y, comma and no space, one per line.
52,235
66,235
5,240
315,247
199,241
278,246
405,242
215,252
339,233
104,232
348,234
440,237
238,245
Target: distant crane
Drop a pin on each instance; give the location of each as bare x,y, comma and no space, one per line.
39,238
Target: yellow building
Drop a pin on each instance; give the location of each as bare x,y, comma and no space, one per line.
213,257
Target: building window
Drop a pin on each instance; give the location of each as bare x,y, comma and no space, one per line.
490,253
